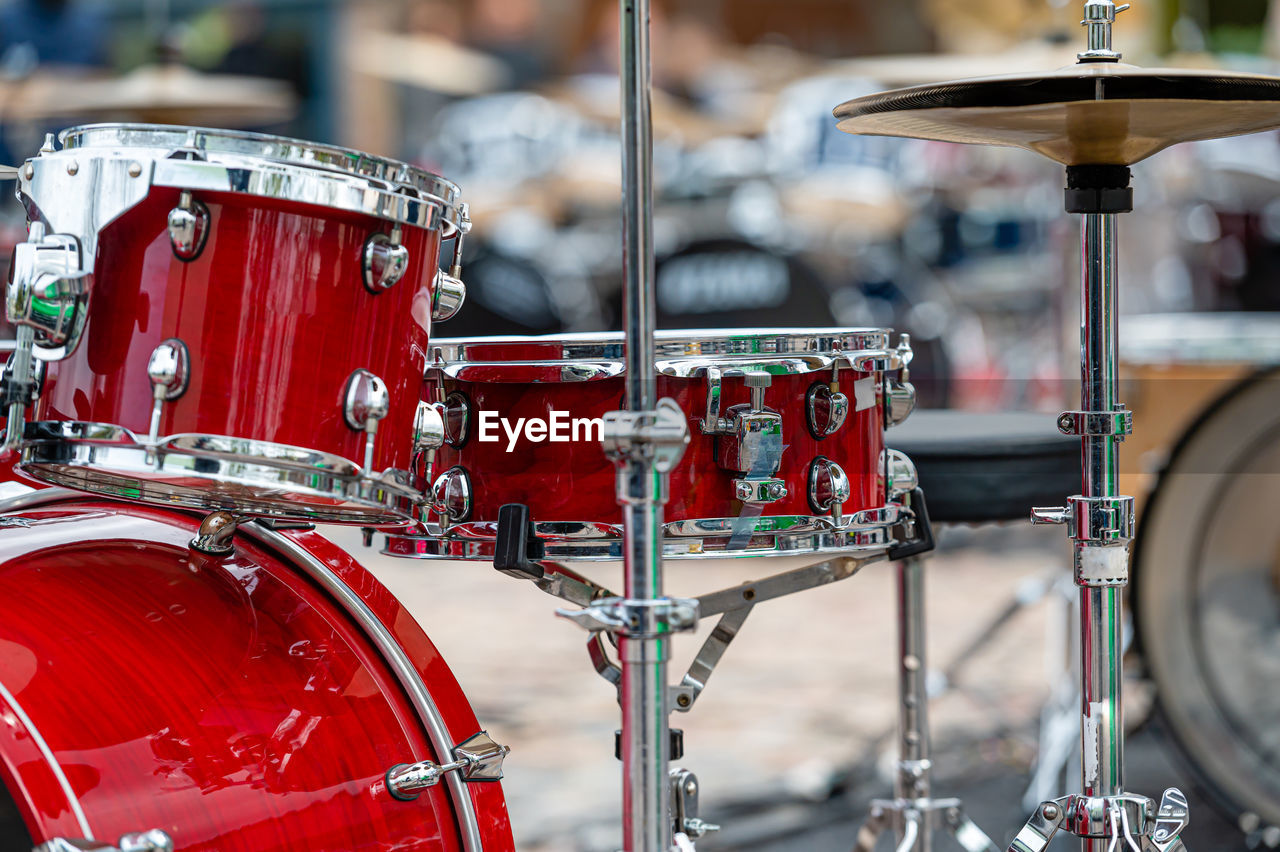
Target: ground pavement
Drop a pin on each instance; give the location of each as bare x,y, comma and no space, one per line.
791,737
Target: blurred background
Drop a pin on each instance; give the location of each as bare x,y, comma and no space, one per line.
766,216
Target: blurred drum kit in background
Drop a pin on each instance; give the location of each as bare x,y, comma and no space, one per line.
222,338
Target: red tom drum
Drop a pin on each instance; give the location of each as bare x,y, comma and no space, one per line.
243,321
787,452
248,703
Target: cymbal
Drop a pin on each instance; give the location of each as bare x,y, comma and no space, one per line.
169,94
427,62
1096,113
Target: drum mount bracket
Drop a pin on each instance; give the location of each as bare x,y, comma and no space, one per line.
661,435
1131,822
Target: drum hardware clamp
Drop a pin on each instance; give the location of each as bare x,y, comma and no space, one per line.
44,298
216,533
1129,821
684,805
450,292
1118,422
749,441
478,758
660,435
154,840
899,393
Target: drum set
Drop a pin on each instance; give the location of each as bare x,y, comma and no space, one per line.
225,338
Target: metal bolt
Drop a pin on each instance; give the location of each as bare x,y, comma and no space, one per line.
683,700
29,172
749,594
135,169
744,491
1050,810
953,814
73,167
1064,422
690,787
911,663
777,490
912,737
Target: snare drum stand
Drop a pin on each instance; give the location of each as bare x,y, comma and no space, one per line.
1100,520
645,442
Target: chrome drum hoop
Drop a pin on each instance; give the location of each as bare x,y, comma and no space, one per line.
382,639
274,167
867,531
678,353
215,472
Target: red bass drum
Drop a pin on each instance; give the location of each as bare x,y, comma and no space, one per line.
251,702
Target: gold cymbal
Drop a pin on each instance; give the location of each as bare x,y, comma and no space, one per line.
1096,113
169,94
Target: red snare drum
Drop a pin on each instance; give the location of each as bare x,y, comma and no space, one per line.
250,311
248,703
787,450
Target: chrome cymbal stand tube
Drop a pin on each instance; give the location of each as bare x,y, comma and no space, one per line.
645,442
913,814
1100,521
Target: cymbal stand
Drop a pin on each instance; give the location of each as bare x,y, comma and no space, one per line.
645,441
1100,521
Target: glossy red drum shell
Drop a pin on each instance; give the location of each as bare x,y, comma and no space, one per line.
275,314
230,703
575,482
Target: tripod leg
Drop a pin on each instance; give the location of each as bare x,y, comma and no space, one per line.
871,830
966,832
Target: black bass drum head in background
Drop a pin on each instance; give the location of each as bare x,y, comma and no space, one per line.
505,295
726,283
1207,599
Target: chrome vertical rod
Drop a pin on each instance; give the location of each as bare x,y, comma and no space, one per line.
912,781
1102,723
646,820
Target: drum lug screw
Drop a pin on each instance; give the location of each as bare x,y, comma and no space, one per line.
365,402
384,261
188,227
215,534
828,488
826,409
169,369
478,758
450,292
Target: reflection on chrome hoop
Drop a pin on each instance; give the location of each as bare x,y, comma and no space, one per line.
213,472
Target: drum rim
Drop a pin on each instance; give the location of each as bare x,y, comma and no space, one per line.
1205,757
101,458
266,146
678,352
265,166
353,603
793,535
